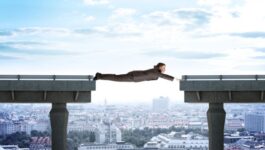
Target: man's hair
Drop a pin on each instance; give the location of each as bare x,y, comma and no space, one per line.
159,65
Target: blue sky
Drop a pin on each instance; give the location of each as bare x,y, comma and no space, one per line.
117,36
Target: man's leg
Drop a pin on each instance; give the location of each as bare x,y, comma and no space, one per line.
114,77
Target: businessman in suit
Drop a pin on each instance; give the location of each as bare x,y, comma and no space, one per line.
138,75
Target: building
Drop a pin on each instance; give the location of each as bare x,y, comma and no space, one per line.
11,147
116,146
22,126
81,126
9,127
184,142
41,125
233,124
253,145
233,147
160,104
40,143
233,138
195,125
255,122
12,126
107,133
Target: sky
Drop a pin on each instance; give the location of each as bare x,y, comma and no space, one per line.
82,37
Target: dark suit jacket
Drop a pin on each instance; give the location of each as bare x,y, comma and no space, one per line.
150,74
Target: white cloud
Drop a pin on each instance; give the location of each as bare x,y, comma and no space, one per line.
252,16
89,18
41,31
124,12
214,3
96,2
161,18
245,16
184,19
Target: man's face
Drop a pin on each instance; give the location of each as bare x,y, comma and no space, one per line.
162,68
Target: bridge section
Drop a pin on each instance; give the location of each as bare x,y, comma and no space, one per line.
56,89
219,89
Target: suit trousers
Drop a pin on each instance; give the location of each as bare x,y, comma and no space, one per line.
121,77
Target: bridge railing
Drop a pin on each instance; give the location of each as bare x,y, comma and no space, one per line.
46,77
223,77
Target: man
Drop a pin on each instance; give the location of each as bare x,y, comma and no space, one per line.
137,75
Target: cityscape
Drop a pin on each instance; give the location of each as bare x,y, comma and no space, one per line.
162,124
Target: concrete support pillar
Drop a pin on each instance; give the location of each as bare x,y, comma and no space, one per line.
59,120
216,121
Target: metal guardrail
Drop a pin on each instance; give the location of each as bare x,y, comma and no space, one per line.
46,77
222,77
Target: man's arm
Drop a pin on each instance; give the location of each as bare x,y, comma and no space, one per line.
167,77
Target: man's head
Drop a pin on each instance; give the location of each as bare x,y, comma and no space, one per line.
161,67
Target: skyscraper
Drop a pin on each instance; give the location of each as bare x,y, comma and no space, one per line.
255,122
160,104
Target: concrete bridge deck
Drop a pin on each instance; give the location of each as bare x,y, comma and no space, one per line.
56,89
45,88
219,89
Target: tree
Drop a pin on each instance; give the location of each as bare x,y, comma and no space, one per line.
34,133
19,138
241,130
78,137
39,133
139,137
